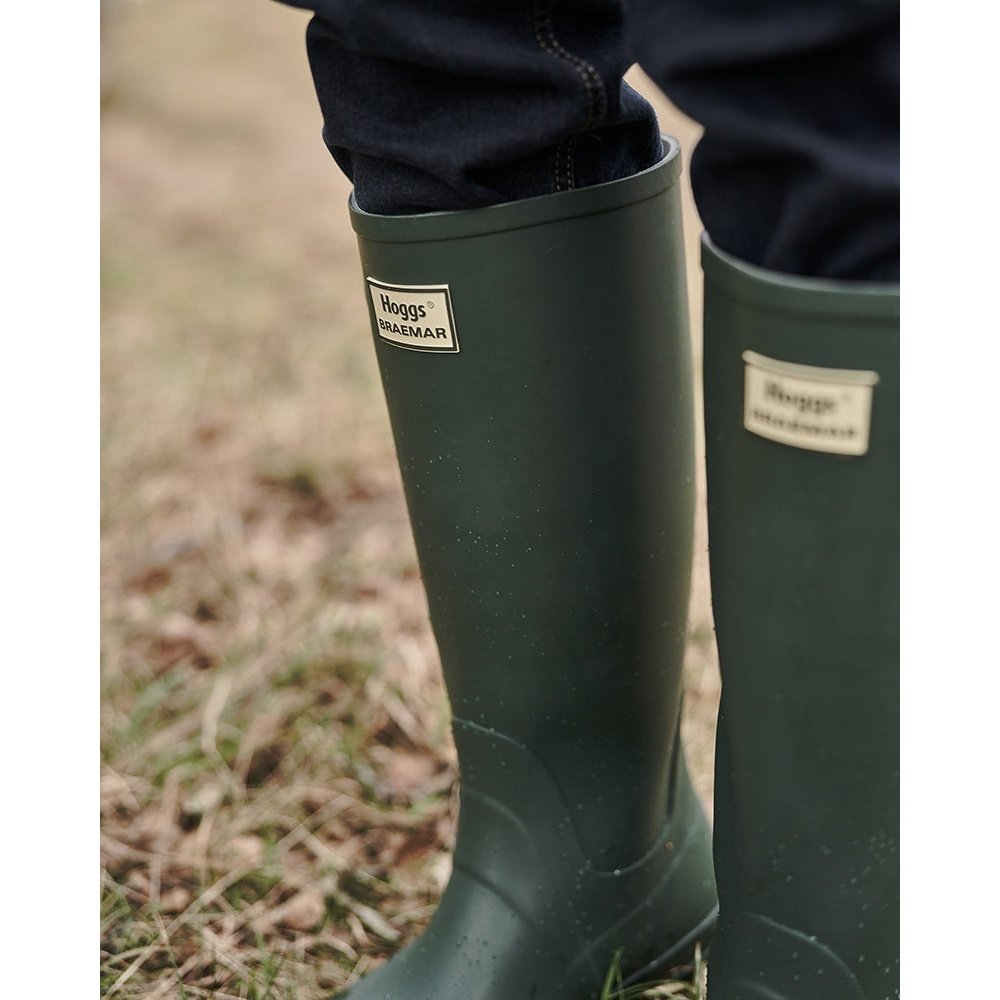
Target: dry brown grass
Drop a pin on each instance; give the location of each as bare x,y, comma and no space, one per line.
277,775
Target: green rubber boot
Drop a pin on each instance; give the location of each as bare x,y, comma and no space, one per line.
802,436
535,360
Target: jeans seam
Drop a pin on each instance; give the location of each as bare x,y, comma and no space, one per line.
593,87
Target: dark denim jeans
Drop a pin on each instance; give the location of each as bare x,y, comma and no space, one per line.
453,104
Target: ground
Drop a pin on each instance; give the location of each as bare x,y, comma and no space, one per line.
277,777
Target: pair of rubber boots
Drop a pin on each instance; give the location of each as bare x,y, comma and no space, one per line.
536,362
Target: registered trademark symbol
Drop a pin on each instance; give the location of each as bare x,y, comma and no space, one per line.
430,305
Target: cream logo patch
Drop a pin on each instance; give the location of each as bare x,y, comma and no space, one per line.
820,409
417,317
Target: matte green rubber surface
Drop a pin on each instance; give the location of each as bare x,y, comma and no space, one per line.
548,471
804,549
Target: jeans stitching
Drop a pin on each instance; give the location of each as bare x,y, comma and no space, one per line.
594,88
588,72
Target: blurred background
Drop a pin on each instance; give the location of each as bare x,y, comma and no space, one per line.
278,780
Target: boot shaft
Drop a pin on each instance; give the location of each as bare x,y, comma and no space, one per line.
802,439
535,359
548,470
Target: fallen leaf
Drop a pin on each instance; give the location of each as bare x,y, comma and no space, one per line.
408,772
303,912
175,900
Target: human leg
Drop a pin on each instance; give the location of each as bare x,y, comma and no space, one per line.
798,174
543,427
798,169
459,104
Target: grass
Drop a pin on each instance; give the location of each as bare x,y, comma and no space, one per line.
691,987
277,776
